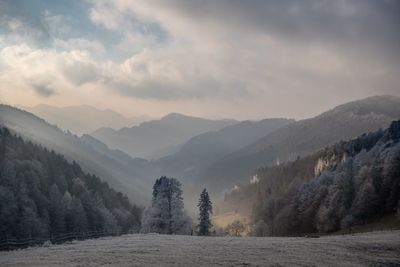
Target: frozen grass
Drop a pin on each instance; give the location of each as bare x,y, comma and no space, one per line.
370,249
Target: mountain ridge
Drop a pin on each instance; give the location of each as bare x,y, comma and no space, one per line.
302,138
83,119
205,148
349,183
150,138
131,176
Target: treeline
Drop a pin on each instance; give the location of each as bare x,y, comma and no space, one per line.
347,184
43,195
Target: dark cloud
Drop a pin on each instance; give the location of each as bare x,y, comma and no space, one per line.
303,19
355,24
43,90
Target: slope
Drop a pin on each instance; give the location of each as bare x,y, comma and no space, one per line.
302,138
346,184
204,149
131,176
42,195
158,138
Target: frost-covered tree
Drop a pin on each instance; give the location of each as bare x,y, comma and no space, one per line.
8,209
235,228
29,223
166,214
43,196
261,229
360,182
205,208
57,210
79,221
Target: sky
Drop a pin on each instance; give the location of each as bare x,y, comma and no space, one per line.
219,59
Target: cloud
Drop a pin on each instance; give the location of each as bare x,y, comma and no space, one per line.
334,21
141,76
152,74
43,90
252,55
78,68
42,70
19,26
319,52
80,44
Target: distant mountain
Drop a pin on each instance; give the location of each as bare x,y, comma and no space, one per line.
44,196
204,149
83,119
350,183
131,176
157,138
302,138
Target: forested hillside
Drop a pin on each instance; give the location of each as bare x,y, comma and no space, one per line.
119,170
43,195
303,138
346,184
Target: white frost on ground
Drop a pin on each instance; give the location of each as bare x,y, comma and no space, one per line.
371,249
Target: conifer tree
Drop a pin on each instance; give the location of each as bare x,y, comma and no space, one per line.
166,214
205,208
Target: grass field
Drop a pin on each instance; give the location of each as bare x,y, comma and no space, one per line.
367,249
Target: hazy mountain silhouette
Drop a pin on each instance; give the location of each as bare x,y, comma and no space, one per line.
204,149
157,138
83,119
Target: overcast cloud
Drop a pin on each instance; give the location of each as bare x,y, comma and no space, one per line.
226,58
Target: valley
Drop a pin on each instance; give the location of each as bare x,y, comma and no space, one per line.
199,133
252,169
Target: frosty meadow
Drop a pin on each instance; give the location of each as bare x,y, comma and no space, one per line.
371,249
